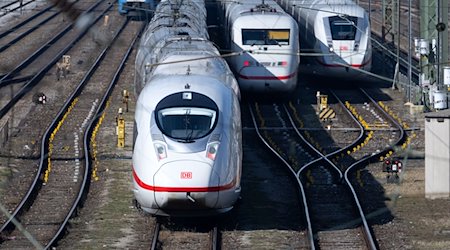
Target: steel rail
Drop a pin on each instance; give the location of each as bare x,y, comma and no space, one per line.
37,182
38,76
330,155
215,239
367,159
88,134
291,169
24,34
155,238
15,8
46,46
14,28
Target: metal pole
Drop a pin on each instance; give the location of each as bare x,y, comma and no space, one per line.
397,5
370,10
438,49
409,50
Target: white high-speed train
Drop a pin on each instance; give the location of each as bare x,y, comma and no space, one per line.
187,154
269,38
338,31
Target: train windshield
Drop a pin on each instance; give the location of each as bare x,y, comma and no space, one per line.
343,29
265,37
186,123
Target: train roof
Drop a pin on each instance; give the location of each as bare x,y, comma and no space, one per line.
194,62
252,7
330,7
264,21
164,85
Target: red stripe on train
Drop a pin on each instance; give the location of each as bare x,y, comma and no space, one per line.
182,189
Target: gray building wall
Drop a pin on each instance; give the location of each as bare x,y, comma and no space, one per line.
437,155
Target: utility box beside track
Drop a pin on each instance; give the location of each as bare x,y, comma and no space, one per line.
437,155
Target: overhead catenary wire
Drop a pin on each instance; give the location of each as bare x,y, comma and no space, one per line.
304,54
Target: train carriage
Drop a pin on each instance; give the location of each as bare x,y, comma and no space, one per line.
268,40
187,146
338,32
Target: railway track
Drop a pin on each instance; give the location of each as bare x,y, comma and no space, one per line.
63,177
333,219
23,150
38,49
13,6
169,234
42,60
21,30
330,175
387,44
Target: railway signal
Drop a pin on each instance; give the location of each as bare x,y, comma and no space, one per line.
392,167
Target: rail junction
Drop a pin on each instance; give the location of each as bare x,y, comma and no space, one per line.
311,180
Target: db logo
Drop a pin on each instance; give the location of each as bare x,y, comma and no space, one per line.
343,47
186,175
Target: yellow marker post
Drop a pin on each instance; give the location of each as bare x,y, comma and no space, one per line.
120,129
121,132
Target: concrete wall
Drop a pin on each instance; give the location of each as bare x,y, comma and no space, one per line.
437,157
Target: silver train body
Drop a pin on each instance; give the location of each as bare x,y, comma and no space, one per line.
187,154
338,31
269,36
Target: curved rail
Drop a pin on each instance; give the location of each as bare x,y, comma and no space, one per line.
291,169
367,159
370,241
37,183
88,134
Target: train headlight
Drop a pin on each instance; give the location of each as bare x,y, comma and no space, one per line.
211,150
160,150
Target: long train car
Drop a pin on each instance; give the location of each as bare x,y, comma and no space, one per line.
338,31
187,153
136,8
269,36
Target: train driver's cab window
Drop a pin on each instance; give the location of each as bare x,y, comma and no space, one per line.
265,37
186,123
343,29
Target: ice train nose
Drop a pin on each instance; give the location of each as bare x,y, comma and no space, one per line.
186,184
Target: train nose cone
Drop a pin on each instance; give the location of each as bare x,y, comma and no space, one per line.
186,185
